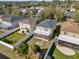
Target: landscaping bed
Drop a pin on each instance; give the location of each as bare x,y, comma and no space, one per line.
58,55
44,44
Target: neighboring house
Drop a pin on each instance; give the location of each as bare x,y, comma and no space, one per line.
44,29
10,21
28,25
5,21
69,35
36,10
23,10
5,17
70,11
40,9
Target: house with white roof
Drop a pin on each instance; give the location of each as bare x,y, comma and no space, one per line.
69,35
44,29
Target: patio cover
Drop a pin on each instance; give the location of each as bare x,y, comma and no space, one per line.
69,39
42,32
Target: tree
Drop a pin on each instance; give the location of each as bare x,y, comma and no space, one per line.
43,3
7,11
1,11
33,49
69,1
49,15
76,5
76,17
23,49
58,16
41,16
15,12
7,40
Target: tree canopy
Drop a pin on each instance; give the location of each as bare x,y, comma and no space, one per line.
23,49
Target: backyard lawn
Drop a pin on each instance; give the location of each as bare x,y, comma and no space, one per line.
58,55
15,37
1,31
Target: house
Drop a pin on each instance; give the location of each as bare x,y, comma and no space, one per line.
10,21
5,21
44,29
28,25
70,11
4,17
40,9
34,10
69,35
23,10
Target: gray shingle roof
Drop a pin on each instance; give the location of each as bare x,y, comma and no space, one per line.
6,15
11,18
49,23
18,18
29,21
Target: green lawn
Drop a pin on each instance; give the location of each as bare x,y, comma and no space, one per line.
1,31
15,37
58,55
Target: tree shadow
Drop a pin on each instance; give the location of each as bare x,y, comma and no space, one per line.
42,53
63,19
29,38
50,52
52,57
52,49
3,56
58,30
53,36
